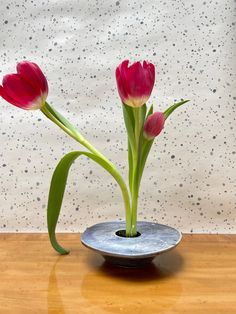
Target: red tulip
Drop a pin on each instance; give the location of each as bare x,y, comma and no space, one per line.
154,125
135,83
27,89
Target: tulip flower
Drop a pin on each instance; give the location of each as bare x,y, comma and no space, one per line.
135,82
154,125
26,89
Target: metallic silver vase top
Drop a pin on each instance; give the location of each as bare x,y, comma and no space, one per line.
130,252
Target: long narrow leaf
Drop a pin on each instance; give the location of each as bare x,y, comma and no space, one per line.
130,159
64,124
142,121
143,112
145,151
57,189
146,147
129,124
150,111
168,111
142,141
60,117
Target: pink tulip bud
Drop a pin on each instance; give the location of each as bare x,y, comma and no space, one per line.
153,125
135,83
27,89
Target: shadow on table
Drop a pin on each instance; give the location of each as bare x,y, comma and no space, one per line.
164,265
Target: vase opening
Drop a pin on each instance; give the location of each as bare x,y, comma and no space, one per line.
122,233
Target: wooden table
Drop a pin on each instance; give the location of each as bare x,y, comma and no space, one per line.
199,276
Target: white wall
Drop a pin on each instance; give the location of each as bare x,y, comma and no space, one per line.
78,44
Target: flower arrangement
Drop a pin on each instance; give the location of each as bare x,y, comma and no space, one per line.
28,89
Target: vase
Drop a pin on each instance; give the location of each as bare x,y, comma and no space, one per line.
108,239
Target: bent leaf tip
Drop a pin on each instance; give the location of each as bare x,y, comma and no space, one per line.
172,108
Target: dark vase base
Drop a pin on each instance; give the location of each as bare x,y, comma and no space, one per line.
128,262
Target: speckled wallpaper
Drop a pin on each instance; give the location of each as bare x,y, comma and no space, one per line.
190,179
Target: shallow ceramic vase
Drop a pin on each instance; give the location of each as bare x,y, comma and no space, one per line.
108,239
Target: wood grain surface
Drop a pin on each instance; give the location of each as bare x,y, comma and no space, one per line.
199,276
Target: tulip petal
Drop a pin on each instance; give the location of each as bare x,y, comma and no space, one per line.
121,89
135,80
31,73
149,74
19,90
135,83
121,79
4,95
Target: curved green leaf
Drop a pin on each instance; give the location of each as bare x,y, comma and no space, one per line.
169,110
62,122
146,147
57,189
59,117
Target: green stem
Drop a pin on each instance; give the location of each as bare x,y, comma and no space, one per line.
66,126
136,161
